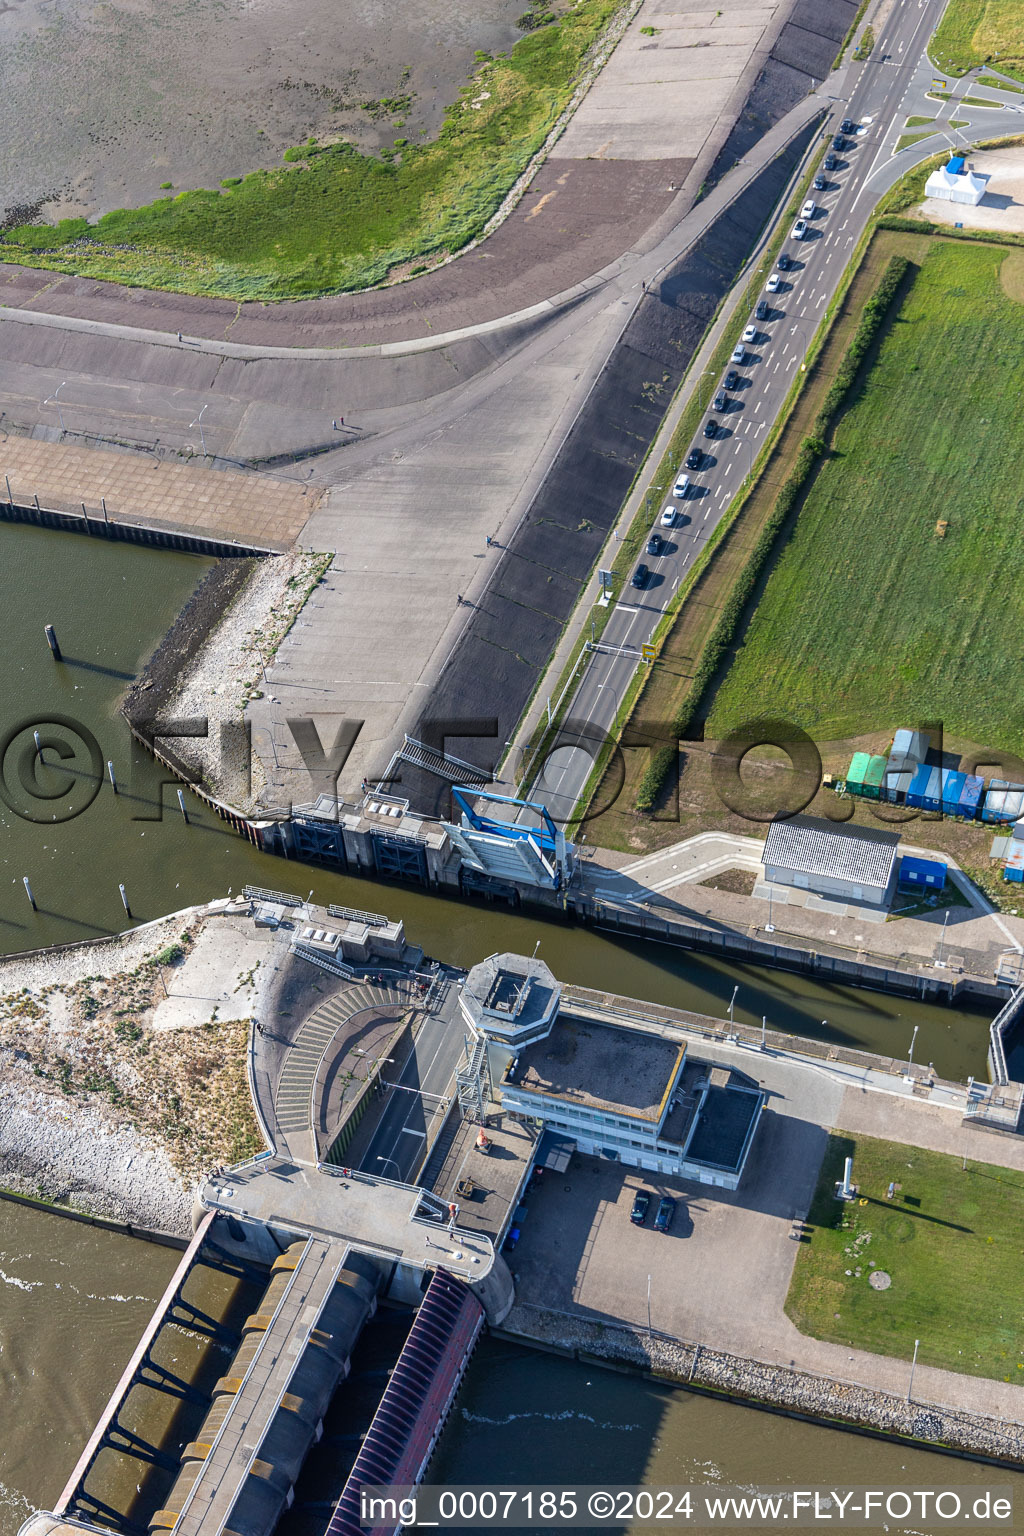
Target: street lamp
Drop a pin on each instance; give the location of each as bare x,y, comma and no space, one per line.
53,400
732,1003
199,423
393,1164
942,937
910,1058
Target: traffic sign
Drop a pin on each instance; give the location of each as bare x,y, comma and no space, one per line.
648,652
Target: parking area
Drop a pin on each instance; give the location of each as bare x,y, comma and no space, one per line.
718,1276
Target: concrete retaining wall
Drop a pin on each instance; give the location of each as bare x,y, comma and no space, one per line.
105,527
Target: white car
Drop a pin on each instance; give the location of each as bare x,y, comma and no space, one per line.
799,229
809,209
668,517
750,333
739,354
681,487
774,283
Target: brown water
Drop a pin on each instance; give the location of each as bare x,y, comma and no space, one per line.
111,603
73,1302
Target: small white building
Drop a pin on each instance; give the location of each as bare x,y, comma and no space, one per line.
954,183
855,864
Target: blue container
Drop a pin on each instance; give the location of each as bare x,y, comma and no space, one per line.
953,782
921,874
970,798
925,792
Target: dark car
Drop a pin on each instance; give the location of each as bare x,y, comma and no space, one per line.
830,162
666,1210
720,403
695,458
514,1234
640,576
838,142
654,544
847,125
820,183
641,1204
763,310
784,262
711,427
731,380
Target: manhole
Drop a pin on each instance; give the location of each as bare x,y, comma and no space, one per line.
879,1280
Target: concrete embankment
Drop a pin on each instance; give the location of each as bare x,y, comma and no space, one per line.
799,1394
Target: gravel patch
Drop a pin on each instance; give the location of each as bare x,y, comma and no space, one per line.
99,1108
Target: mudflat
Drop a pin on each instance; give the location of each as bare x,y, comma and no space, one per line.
102,101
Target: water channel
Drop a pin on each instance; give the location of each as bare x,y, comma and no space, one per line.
74,1300
111,603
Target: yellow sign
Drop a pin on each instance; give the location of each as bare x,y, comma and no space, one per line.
648,652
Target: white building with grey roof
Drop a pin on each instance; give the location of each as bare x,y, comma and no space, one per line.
847,864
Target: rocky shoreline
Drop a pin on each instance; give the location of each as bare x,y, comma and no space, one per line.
835,1403
99,1110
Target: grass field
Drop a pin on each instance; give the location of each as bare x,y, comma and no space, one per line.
951,1241
870,619
974,32
335,219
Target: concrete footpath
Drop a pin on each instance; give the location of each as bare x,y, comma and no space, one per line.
975,937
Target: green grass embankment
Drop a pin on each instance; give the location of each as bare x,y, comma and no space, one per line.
874,614
335,219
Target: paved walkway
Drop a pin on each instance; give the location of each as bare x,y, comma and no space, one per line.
671,879
156,493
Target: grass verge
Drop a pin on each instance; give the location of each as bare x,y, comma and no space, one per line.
334,219
873,613
974,32
951,1242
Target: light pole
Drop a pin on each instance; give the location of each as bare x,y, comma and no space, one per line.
199,423
393,1164
648,1306
764,1033
910,1058
913,1367
769,926
732,1004
942,936
53,400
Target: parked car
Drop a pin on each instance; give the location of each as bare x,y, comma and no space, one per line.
668,517
695,458
799,229
711,427
785,262
820,184
654,544
774,283
809,209
847,126
641,1205
830,161
666,1210
731,380
682,485
763,310
640,577
739,353
720,402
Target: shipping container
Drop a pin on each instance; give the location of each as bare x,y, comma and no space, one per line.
970,799
874,778
855,776
953,782
909,750
921,874
925,791
1003,802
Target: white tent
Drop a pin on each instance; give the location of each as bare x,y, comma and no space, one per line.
951,188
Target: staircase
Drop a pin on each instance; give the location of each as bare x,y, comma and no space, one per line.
292,1099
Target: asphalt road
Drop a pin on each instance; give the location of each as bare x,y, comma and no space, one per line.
407,1119
880,94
